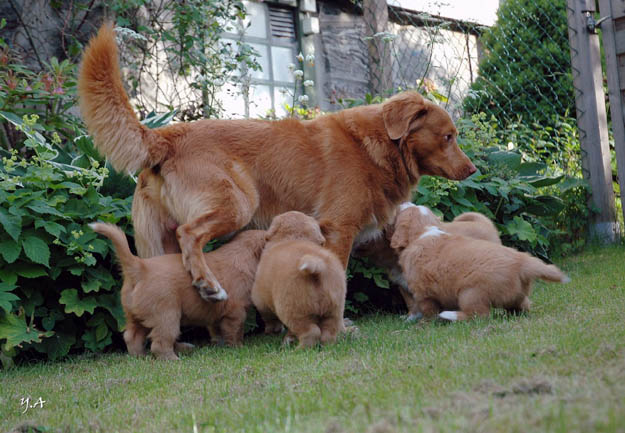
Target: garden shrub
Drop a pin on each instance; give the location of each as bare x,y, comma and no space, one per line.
525,71
58,287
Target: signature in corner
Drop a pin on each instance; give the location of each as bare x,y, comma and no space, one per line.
27,403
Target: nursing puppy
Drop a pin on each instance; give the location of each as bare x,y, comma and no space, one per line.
299,283
158,296
446,271
379,251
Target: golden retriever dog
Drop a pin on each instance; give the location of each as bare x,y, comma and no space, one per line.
446,271
208,178
378,249
157,294
299,283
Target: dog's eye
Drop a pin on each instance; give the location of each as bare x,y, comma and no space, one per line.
449,137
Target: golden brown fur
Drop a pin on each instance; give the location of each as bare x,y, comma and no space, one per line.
158,297
450,271
299,283
379,251
212,177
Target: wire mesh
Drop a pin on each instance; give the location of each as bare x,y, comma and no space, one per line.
517,69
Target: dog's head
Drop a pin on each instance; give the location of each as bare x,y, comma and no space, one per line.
295,225
427,137
411,222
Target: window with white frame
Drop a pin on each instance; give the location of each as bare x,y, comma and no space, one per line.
270,31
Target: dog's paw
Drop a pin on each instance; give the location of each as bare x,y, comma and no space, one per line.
183,347
289,339
414,317
452,316
209,293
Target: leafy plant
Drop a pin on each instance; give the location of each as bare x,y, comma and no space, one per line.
55,295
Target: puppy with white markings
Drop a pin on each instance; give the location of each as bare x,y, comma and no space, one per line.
158,295
299,283
446,271
378,250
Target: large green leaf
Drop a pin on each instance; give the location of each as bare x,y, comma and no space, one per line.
521,229
36,250
51,227
15,330
6,297
28,270
10,250
546,181
73,304
512,160
12,224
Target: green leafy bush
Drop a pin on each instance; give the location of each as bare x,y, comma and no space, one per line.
58,288
526,67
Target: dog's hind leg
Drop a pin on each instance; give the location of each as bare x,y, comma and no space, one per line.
472,303
164,336
135,336
308,334
154,229
330,327
211,208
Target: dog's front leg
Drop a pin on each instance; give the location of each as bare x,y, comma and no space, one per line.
339,239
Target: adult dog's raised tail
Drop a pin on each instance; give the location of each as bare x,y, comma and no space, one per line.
129,145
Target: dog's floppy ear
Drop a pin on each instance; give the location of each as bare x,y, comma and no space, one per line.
401,235
271,232
400,111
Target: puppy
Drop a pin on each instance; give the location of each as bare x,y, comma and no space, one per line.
379,251
299,283
212,177
454,272
158,297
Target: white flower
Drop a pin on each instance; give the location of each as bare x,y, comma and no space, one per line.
291,67
300,57
298,73
510,145
303,99
310,58
309,83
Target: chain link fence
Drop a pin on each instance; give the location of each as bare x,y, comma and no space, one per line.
518,69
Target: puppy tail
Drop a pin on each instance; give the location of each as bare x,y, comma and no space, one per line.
110,119
130,264
311,265
535,268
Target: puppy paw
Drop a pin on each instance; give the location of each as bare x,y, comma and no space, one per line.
414,317
289,339
183,347
451,316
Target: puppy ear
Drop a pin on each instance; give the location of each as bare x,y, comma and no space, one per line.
270,233
400,238
321,240
400,111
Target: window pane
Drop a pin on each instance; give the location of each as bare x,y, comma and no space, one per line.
256,19
263,61
260,100
282,95
281,58
232,101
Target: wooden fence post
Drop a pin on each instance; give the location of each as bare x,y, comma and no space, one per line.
613,31
592,118
375,15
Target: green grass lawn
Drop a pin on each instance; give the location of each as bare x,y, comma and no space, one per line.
562,368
